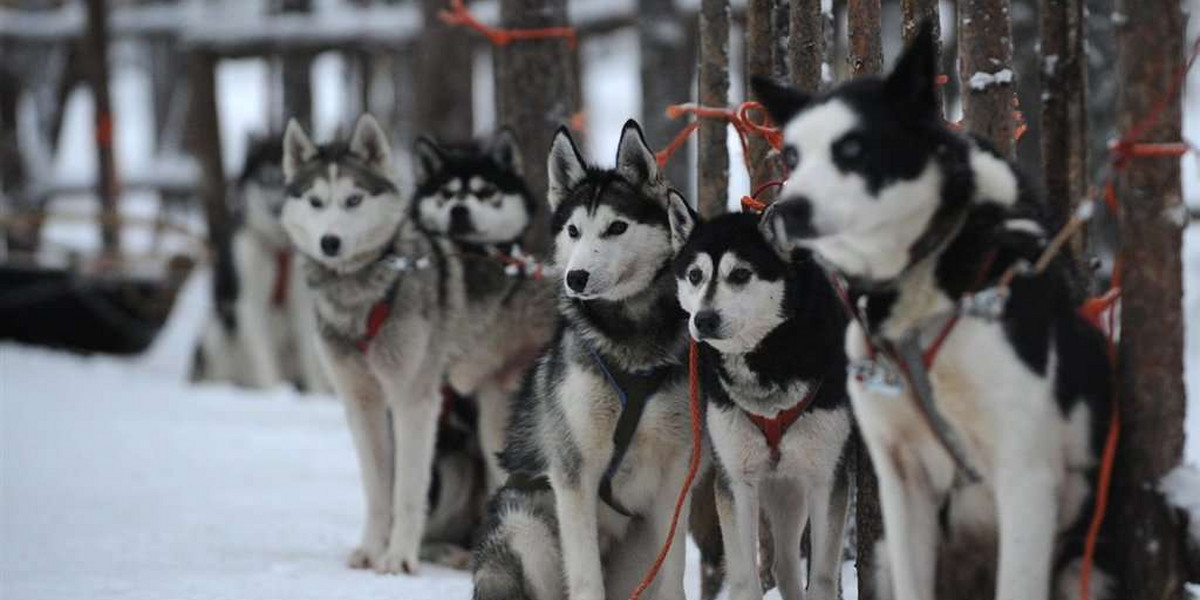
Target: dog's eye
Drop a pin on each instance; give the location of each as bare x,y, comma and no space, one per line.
573,231
848,149
695,275
616,228
354,200
315,202
739,276
447,194
791,157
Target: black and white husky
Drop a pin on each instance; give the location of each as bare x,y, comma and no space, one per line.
773,375
398,310
991,483
604,417
472,193
263,331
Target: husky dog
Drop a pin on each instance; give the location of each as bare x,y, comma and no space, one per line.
774,380
399,309
265,330
618,354
916,218
475,195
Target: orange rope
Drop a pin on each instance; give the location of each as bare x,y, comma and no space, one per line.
459,14
694,396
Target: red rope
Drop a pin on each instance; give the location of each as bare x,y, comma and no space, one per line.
459,14
694,401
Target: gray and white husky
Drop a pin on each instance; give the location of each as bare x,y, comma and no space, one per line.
773,376
473,193
398,309
619,354
263,332
917,217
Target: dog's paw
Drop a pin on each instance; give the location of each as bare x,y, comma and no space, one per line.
397,562
447,555
363,558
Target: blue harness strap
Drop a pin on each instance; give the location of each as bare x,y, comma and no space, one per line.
633,390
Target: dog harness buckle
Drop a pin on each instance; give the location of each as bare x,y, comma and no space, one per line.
876,376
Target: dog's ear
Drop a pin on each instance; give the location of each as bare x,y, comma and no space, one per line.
297,149
782,102
369,143
506,152
635,160
912,84
682,219
564,166
430,158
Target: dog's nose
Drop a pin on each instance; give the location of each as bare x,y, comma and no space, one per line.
460,219
577,280
330,244
708,323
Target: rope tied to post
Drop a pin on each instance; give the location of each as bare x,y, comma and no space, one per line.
459,15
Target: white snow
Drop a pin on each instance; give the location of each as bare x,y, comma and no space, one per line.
982,81
1182,489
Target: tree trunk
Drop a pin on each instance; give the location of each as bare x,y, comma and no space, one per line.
759,61
985,54
865,58
1152,401
915,12
535,83
667,57
204,140
445,62
806,44
866,48
712,163
107,185
297,74
1064,133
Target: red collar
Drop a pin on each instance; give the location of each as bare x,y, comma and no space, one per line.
375,320
283,275
774,428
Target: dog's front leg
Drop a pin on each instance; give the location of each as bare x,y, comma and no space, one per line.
576,503
787,504
910,518
1027,507
255,334
737,507
669,584
415,407
830,502
495,407
367,416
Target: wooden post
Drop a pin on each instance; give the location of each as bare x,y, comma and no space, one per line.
444,104
866,48
108,187
204,140
1064,107
297,74
535,83
712,163
759,47
806,44
1152,402
913,13
865,58
985,55
667,57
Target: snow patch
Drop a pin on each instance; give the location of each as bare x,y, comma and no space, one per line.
981,81
1050,65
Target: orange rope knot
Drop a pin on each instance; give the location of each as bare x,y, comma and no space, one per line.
459,15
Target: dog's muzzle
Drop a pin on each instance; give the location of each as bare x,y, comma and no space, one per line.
460,220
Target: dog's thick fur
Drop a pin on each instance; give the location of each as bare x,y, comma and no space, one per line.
618,312
449,314
909,212
263,331
769,334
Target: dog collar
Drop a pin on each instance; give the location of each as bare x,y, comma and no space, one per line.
774,428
